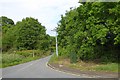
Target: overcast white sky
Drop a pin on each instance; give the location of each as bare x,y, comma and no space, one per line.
48,12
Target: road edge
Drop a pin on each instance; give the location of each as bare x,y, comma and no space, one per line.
76,74
68,72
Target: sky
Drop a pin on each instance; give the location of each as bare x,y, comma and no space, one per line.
48,12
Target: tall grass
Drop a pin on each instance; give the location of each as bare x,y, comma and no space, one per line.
11,59
17,57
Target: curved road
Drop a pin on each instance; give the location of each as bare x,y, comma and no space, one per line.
34,69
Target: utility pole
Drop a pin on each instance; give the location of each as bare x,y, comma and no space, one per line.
56,42
56,45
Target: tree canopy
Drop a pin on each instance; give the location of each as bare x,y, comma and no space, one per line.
91,31
26,34
30,31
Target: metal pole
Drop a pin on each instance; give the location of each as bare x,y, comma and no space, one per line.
56,46
56,43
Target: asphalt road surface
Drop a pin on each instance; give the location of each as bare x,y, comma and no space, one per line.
35,69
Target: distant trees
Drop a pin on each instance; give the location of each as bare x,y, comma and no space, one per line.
26,34
92,31
52,43
6,21
29,33
7,25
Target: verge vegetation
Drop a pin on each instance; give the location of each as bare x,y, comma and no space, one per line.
84,65
90,34
18,57
24,41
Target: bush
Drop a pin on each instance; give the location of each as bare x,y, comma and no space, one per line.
17,57
24,53
89,26
30,53
86,52
11,58
63,52
73,57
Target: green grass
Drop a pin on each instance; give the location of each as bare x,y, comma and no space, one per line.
107,67
0,60
53,59
110,67
0,39
10,59
16,59
85,66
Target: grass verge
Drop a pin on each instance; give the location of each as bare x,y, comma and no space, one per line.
85,66
18,57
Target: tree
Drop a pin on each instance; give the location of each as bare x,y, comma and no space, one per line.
9,38
30,34
91,31
7,25
26,34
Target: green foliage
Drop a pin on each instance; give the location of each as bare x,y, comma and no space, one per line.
27,34
86,52
73,57
8,39
108,67
24,41
6,23
52,43
44,43
8,33
53,58
91,31
89,66
14,59
11,58
30,53
0,40
84,65
30,33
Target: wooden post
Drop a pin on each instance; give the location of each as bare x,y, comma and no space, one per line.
33,54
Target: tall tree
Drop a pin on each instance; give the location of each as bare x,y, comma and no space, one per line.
7,25
30,33
91,31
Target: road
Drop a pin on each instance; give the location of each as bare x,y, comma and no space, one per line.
35,69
